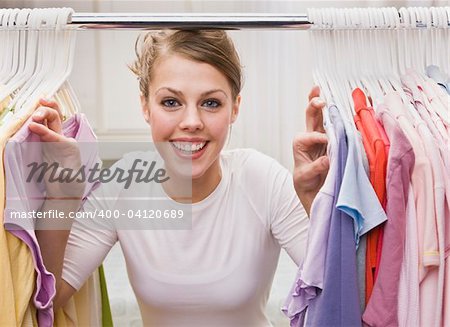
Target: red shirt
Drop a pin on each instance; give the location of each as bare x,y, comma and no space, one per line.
375,148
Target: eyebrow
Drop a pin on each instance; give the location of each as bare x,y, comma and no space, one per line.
179,93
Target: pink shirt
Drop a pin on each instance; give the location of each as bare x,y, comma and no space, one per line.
435,274
408,289
418,100
435,102
422,182
382,308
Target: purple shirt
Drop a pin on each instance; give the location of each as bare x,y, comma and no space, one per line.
24,197
309,280
383,305
338,303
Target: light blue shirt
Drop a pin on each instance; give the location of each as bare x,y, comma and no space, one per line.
357,197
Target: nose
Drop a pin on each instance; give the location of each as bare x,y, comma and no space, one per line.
191,120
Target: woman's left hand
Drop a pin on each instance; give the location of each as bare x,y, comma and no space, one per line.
310,153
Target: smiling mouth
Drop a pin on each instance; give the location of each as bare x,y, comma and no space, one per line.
189,148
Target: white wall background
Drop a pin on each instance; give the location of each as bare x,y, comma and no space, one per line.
277,68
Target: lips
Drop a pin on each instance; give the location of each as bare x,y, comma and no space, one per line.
192,149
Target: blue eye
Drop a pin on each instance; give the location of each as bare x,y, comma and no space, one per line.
171,103
211,103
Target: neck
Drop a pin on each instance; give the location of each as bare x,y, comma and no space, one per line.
188,190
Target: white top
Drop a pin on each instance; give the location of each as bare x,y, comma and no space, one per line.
220,271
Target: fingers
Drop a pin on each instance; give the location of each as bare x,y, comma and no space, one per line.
314,118
315,92
45,133
46,122
51,104
307,147
49,117
305,140
313,169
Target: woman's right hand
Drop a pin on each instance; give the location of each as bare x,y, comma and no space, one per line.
60,153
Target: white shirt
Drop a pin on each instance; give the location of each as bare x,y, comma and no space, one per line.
218,272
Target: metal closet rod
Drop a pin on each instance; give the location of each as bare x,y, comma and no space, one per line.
227,21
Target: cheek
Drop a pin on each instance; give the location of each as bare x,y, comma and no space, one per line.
162,125
219,127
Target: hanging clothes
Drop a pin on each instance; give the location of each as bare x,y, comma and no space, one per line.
382,308
17,275
375,148
435,126
27,287
422,181
309,280
24,196
358,200
408,288
439,180
340,282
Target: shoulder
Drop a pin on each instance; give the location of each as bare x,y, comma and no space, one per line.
253,171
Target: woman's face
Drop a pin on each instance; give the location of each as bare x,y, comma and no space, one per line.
190,109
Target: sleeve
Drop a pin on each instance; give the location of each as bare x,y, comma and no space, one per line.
90,239
289,222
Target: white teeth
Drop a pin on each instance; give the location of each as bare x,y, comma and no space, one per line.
188,147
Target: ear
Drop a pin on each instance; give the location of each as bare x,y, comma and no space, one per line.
235,109
145,109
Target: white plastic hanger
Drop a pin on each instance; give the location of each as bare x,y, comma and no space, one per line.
317,41
7,58
2,38
384,69
436,37
20,76
59,51
66,61
444,12
3,41
14,44
373,49
410,47
342,72
45,60
338,73
36,66
325,93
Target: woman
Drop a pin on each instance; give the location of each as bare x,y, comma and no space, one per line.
244,204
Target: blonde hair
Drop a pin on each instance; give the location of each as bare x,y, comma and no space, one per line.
213,47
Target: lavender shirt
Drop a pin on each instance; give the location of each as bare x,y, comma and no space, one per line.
309,280
23,197
338,303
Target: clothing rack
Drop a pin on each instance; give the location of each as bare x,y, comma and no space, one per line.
189,20
231,21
